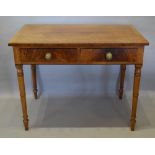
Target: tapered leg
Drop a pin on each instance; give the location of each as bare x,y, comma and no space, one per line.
137,76
122,77
20,75
34,80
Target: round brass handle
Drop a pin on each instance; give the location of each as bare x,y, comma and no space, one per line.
48,56
109,56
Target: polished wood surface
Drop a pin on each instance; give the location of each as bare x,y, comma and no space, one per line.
78,56
137,76
76,35
38,56
21,83
119,55
79,44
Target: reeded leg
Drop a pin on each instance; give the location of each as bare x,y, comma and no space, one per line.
137,76
20,75
34,80
122,77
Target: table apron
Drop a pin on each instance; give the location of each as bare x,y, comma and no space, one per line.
78,56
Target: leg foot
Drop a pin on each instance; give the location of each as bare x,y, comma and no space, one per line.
26,124
132,124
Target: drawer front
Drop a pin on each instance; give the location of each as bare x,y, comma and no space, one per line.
48,56
108,56
76,56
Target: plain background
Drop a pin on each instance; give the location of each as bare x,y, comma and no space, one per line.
74,80
84,146
76,101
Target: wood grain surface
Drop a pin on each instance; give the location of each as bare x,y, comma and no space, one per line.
76,35
75,56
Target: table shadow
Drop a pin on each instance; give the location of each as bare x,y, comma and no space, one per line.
82,111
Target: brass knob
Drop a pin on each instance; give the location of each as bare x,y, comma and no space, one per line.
48,56
109,56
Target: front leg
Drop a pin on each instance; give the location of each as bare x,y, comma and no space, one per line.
21,84
137,76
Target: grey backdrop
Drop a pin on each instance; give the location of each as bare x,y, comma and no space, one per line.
74,80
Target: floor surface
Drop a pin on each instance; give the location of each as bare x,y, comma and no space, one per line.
79,116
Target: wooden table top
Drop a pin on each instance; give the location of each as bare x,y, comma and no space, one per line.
34,35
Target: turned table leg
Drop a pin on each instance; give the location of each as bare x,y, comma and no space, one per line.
137,76
122,77
20,75
34,80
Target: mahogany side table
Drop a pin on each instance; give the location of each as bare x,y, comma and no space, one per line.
78,44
